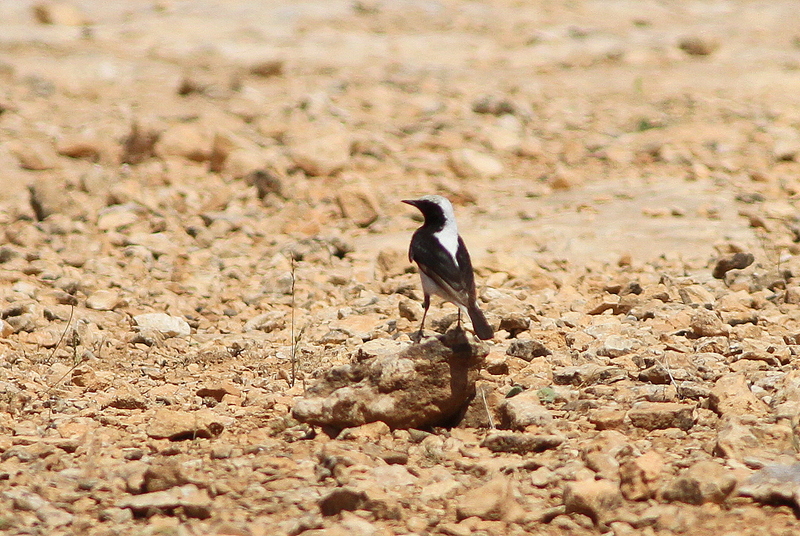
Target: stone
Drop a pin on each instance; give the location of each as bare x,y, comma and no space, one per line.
732,396
194,502
267,68
180,425
425,384
776,483
524,410
638,476
705,323
527,349
139,144
266,182
735,440
357,205
162,475
493,501
698,45
514,323
48,197
607,419
340,499
705,481
323,151
184,140
6,329
471,164
81,146
660,415
58,13
218,390
103,300
735,261
597,499
520,443
616,346
164,324
33,155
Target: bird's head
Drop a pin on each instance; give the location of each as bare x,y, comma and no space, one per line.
436,210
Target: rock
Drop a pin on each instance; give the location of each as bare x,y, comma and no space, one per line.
164,324
323,151
58,13
705,323
139,145
514,323
735,261
48,197
491,104
103,300
774,484
607,419
194,502
218,390
341,499
660,415
639,475
524,410
493,501
357,205
616,346
735,440
179,425
698,45
266,322
471,164
705,481
184,140
425,384
83,146
6,329
267,68
34,156
588,374
163,475
732,396
527,349
266,182
520,443
597,499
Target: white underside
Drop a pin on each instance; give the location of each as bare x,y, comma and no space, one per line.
430,287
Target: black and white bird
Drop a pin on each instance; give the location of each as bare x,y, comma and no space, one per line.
444,264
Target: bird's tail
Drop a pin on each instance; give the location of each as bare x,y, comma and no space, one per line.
482,328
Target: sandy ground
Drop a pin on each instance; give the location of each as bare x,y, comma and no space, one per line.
175,156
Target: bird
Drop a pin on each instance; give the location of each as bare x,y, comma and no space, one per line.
444,264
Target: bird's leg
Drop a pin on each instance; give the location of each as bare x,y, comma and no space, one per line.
459,319
426,302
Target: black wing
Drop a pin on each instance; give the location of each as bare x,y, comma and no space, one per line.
435,262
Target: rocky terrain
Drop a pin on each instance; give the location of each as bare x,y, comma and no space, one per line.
206,306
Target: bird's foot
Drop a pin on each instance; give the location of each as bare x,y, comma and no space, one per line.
417,336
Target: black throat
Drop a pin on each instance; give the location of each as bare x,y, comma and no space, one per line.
433,214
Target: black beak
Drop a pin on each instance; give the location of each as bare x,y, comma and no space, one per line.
412,202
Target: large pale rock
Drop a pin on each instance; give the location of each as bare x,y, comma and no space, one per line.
594,498
493,501
166,325
358,205
471,164
705,481
732,396
524,410
425,384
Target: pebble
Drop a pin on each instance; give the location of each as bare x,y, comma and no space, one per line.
524,410
357,205
732,396
527,349
493,501
194,502
103,300
705,481
520,443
